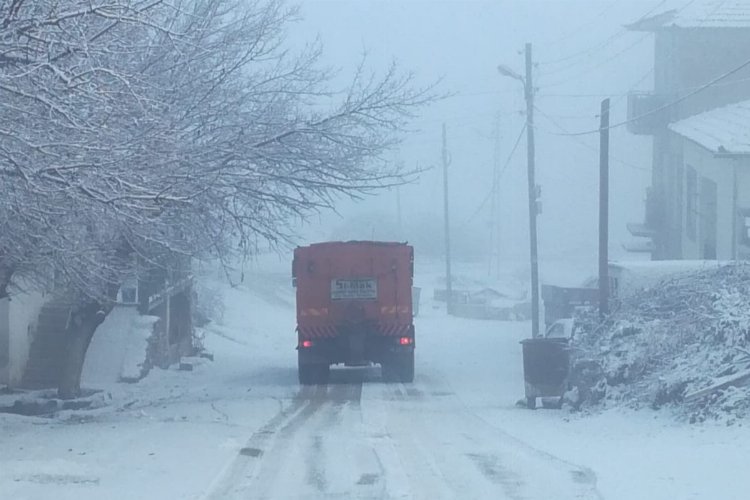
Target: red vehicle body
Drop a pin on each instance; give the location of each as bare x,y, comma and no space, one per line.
354,306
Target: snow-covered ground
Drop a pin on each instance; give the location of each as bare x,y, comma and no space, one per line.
241,427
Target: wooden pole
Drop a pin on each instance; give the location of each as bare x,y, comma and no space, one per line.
533,202
604,211
448,278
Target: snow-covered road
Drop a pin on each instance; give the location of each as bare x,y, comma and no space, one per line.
242,427
360,438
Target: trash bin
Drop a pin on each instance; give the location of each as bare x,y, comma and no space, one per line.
546,366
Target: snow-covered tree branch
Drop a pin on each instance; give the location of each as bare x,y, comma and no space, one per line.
188,127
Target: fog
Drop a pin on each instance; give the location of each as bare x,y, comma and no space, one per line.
582,54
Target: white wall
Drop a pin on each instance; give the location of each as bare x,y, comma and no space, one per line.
743,201
23,311
720,171
4,341
104,359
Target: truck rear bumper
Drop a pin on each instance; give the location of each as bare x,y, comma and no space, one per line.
353,350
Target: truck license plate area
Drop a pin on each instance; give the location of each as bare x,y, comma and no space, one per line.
356,354
354,289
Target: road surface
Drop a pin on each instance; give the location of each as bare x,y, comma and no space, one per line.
242,427
360,438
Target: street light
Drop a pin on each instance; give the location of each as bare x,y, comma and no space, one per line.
506,71
533,206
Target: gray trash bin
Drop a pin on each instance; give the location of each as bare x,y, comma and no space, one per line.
546,366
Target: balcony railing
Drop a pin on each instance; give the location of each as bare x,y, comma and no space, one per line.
646,113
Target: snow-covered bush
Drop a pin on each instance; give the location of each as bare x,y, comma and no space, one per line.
681,336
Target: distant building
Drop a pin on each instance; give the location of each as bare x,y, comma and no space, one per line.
698,205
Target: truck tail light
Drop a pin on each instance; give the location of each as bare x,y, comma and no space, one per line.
406,341
306,344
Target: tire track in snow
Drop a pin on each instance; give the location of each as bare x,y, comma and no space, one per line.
332,450
475,457
339,459
580,474
412,469
392,441
427,450
235,474
297,440
266,475
316,448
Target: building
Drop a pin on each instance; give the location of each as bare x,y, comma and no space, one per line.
19,314
34,325
715,150
697,205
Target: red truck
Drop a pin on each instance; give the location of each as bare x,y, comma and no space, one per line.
354,306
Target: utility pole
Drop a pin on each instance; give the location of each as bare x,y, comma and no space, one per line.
495,213
399,218
604,211
533,193
448,279
398,212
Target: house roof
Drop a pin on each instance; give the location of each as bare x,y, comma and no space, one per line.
724,130
700,14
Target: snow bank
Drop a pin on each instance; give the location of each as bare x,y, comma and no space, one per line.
118,349
667,344
134,361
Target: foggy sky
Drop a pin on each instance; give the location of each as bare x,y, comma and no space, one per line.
463,42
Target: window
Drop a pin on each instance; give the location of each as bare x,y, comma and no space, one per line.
691,203
128,293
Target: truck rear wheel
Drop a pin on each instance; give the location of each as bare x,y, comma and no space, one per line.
400,368
313,373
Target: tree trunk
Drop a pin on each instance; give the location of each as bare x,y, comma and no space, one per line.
6,274
84,323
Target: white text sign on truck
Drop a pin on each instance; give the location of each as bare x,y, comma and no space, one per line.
354,289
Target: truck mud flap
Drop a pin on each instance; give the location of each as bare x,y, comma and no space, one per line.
356,352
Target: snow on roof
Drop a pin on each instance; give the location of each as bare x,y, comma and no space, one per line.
724,130
701,14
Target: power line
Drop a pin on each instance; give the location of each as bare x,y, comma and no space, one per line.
607,41
668,105
470,118
544,95
578,29
481,93
587,146
586,52
617,94
583,96
634,85
616,55
498,175
584,63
